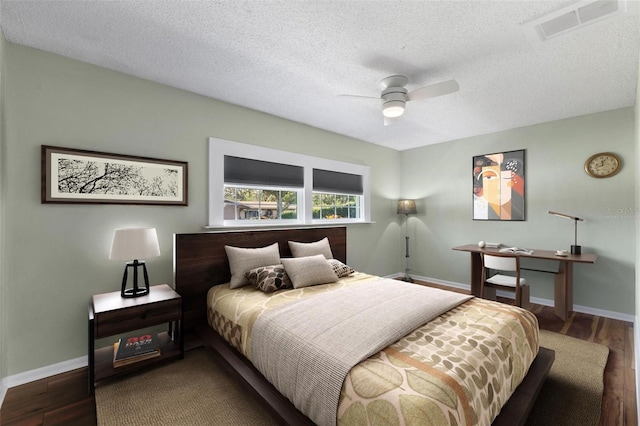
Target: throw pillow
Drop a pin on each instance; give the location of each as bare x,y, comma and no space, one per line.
308,271
269,278
340,269
311,249
242,260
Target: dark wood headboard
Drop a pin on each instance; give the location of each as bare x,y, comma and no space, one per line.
200,261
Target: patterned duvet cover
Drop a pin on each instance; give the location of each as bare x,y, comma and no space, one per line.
458,369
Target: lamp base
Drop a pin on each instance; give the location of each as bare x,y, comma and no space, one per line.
135,291
132,292
576,249
407,278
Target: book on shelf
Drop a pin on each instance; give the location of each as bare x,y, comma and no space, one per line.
135,348
516,250
137,345
133,359
492,245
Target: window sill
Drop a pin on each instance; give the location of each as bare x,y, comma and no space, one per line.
262,226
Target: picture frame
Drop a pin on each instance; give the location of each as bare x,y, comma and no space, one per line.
77,176
499,186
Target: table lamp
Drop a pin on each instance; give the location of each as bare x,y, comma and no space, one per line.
575,248
407,207
132,244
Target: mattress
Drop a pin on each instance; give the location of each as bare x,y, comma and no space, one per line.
460,368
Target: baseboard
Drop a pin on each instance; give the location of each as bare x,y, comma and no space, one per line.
44,372
545,302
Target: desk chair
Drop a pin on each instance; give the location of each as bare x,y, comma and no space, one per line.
508,263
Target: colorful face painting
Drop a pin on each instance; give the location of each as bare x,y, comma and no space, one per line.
498,186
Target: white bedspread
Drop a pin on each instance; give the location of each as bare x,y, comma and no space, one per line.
306,348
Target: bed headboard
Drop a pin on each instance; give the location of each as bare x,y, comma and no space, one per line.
200,261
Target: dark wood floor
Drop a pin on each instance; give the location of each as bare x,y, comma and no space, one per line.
63,399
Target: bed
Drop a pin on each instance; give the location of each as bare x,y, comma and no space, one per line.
202,274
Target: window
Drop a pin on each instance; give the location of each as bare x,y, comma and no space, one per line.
251,185
259,204
336,195
261,190
335,206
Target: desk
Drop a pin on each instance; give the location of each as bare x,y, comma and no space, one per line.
563,293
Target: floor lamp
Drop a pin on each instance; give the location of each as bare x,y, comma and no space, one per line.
407,207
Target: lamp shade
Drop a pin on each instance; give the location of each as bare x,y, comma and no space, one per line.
134,243
407,207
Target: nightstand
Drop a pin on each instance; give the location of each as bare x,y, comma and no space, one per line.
111,314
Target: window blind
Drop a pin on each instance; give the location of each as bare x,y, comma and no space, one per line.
337,182
245,171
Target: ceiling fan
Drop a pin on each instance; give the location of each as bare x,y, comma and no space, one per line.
395,95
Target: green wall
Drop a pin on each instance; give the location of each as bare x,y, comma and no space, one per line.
57,255
440,176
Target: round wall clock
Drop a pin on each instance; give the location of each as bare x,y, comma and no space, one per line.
602,165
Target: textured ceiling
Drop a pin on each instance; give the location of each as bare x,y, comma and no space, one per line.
293,59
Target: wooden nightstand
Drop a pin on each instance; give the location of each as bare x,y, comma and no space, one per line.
111,314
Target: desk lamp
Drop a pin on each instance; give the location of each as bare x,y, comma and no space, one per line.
575,248
407,207
132,244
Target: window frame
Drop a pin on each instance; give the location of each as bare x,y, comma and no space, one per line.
218,148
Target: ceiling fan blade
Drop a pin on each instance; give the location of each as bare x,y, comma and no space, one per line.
361,97
434,90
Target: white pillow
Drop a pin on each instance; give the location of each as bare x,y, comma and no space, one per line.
242,260
308,271
311,249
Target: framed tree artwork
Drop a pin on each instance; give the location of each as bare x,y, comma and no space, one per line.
498,186
79,176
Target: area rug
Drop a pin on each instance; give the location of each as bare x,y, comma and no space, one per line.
197,391
192,392
572,393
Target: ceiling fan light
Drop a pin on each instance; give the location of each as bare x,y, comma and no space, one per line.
393,109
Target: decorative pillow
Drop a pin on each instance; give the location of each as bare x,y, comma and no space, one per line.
308,271
340,269
242,260
269,278
311,249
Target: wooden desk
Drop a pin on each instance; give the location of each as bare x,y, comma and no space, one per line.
563,294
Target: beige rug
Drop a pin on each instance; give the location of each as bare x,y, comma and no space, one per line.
572,394
196,391
191,392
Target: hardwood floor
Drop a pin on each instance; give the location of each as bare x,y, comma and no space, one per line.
63,399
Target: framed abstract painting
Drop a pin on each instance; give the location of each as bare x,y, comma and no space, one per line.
498,186
79,176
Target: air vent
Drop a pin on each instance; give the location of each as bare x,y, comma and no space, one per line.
574,17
